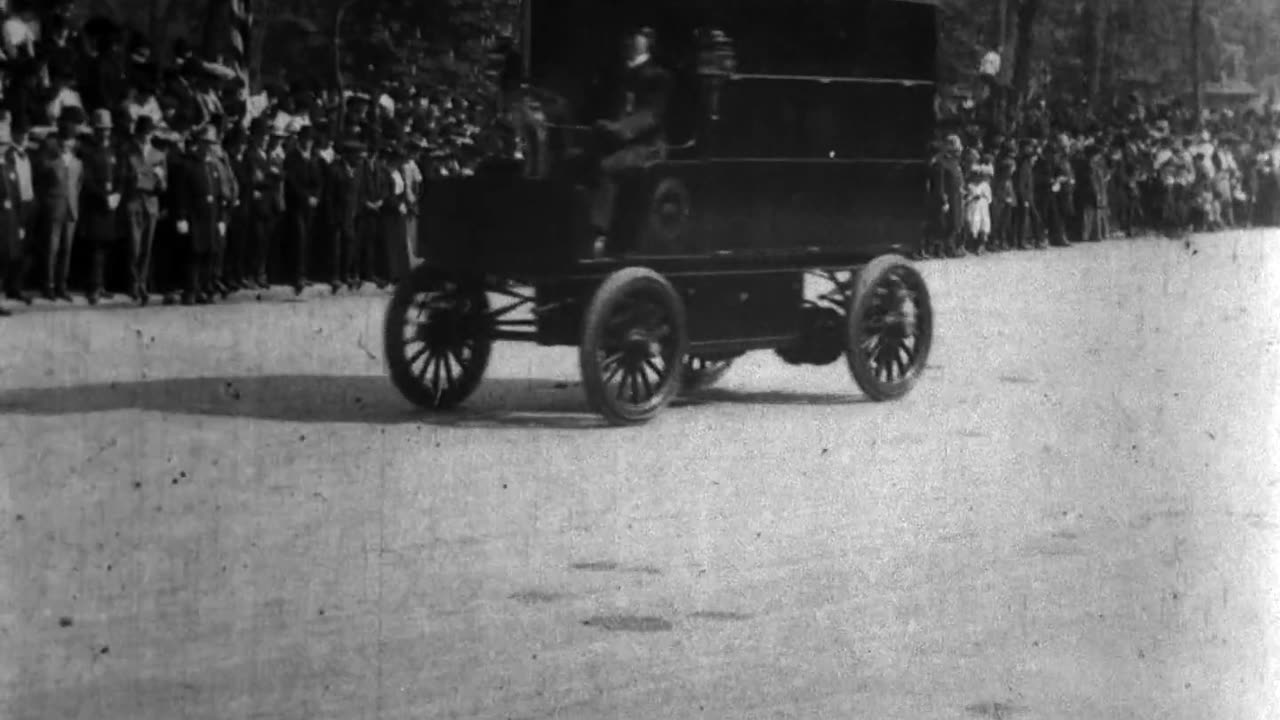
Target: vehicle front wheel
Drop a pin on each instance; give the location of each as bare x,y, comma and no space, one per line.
437,338
890,328
634,342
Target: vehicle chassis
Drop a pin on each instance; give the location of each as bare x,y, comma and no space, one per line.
649,328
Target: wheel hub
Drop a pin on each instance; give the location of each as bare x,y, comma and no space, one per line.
446,325
640,345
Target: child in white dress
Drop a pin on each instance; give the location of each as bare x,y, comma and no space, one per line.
977,204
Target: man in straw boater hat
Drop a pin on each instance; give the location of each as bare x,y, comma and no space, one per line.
100,200
200,207
59,178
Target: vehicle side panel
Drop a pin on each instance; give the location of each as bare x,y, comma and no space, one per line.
853,211
731,310
503,224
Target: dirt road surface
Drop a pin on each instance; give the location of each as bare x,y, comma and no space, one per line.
227,512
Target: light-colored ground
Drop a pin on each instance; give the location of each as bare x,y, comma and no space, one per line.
226,512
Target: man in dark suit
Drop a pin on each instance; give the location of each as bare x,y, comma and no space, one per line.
59,177
375,191
230,199
12,233
1004,197
1029,223
200,210
948,188
142,184
630,130
100,199
303,182
1058,178
17,157
238,235
340,207
265,175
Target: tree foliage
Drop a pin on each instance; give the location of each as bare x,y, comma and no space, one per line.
1094,48
1104,48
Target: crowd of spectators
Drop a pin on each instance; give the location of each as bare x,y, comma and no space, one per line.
101,149
176,183
1064,175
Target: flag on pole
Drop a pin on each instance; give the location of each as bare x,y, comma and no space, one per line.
240,30
239,43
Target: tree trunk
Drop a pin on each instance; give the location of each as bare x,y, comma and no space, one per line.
1198,91
163,44
1002,23
214,14
1027,12
1000,102
1111,56
1096,13
337,64
157,34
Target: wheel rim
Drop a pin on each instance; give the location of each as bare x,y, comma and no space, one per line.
895,327
638,350
441,334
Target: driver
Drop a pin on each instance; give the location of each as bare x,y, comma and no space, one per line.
631,131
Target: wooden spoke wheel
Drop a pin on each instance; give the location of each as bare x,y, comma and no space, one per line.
701,373
634,341
890,328
437,338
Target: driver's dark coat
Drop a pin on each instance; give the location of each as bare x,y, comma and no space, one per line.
635,101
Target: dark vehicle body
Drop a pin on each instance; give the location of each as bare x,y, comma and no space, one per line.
807,153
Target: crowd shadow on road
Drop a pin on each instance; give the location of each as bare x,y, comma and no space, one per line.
338,399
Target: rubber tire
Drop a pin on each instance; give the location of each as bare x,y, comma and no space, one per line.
422,279
867,278
611,291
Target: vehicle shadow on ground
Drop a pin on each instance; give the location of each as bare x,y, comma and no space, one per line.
320,399
719,396
325,399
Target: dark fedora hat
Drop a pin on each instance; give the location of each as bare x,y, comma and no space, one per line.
144,125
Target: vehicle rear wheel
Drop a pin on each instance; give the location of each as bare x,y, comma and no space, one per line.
633,346
890,328
700,373
436,338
